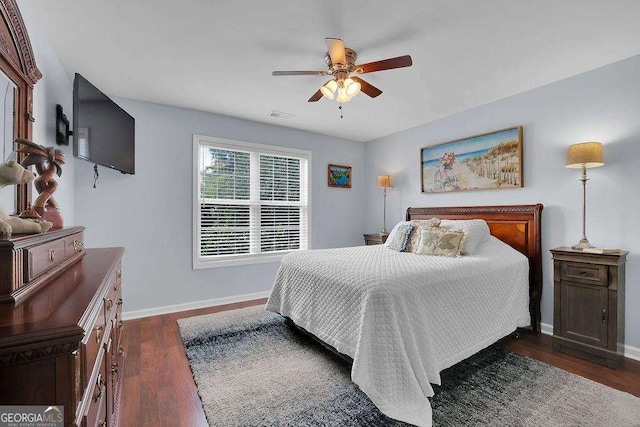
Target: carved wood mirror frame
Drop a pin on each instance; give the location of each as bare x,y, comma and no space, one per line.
17,62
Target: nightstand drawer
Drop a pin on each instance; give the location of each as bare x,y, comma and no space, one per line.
375,239
584,273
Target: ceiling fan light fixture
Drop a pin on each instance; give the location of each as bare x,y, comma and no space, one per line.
342,95
329,89
341,63
352,87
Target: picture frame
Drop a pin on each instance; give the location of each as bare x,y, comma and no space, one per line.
487,161
339,176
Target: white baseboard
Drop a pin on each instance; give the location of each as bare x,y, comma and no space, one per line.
546,328
136,314
630,352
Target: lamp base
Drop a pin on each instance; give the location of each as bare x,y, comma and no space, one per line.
584,243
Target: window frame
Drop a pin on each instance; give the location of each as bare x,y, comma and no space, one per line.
230,144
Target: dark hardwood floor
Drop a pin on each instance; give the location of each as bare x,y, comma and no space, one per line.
159,390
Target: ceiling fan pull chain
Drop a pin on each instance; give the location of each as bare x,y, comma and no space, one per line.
340,108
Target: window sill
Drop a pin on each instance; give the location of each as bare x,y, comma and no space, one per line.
200,264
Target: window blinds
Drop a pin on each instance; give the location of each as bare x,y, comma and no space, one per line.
251,202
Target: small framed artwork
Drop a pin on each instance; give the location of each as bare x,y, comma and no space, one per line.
482,162
339,176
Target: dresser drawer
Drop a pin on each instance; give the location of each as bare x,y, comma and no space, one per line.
110,306
73,244
584,273
30,261
97,413
113,293
42,258
94,341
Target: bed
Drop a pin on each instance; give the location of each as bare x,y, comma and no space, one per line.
402,317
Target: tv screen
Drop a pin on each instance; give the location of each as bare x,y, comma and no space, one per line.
103,133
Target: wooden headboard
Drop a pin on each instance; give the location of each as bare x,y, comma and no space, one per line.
519,226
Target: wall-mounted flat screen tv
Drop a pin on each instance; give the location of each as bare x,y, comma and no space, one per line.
103,133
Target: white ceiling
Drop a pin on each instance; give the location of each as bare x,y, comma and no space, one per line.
218,55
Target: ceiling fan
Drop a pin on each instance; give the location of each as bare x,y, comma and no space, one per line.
341,62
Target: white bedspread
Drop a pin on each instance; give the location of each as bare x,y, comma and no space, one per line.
402,317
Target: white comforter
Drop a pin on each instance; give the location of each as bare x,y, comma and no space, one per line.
402,317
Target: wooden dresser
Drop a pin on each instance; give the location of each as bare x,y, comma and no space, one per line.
588,317
62,344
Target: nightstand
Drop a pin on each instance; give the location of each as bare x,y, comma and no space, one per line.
375,239
588,299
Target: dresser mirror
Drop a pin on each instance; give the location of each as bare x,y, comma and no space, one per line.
8,196
18,75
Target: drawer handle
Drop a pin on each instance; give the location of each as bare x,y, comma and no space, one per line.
119,274
109,305
52,255
583,273
121,350
99,334
121,324
119,301
114,368
103,424
77,245
604,315
115,285
100,383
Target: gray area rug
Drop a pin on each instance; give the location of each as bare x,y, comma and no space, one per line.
252,369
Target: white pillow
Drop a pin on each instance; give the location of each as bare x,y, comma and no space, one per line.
394,231
477,232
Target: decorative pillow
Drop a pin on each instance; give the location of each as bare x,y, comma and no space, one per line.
393,232
400,237
477,232
418,226
441,242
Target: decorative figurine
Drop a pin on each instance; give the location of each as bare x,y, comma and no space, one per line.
47,161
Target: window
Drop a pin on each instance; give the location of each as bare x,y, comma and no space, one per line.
251,202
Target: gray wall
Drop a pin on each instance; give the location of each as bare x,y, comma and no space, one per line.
600,105
150,213
55,87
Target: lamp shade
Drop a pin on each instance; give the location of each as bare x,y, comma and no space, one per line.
384,181
329,89
352,87
342,95
587,154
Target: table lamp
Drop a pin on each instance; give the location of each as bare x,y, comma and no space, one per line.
584,155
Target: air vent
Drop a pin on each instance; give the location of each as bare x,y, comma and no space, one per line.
280,114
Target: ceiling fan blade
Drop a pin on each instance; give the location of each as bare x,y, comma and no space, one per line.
386,64
316,96
368,88
299,73
336,50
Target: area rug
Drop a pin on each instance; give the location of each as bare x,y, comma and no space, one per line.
253,369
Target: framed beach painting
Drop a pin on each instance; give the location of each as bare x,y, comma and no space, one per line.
481,162
339,176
